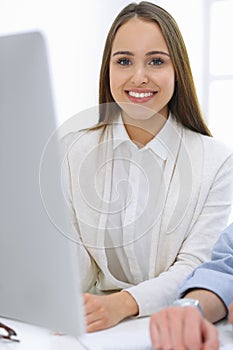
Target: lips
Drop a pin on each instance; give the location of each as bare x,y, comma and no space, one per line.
140,96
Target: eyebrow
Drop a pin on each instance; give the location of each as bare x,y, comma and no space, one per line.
150,53
157,52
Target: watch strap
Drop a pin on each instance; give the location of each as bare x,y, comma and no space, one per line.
189,302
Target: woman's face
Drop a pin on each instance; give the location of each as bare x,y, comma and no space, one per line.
141,70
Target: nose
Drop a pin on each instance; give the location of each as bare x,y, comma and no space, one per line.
139,75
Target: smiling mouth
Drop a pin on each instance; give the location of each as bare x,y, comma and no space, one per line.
140,94
140,97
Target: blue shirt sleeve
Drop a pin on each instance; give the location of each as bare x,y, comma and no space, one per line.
217,274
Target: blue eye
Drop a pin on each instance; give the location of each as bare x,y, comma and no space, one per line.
124,61
156,62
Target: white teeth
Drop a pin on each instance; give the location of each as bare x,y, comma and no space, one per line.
140,95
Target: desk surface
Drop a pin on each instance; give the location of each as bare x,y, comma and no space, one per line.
123,336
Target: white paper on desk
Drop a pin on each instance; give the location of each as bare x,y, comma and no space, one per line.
125,336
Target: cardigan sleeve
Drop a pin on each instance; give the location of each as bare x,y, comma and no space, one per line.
88,268
161,291
217,274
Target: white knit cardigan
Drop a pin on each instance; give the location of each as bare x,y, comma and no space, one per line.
194,208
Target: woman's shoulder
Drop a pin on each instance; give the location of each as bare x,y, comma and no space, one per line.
217,148
82,138
211,145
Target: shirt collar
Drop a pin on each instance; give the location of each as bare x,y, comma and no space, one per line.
120,134
159,144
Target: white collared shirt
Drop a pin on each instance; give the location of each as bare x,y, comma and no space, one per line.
136,182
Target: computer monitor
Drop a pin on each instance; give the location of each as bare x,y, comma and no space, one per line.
39,278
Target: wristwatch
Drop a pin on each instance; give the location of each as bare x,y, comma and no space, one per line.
189,302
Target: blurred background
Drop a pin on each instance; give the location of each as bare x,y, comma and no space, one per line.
76,31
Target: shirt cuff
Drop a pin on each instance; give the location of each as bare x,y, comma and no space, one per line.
217,282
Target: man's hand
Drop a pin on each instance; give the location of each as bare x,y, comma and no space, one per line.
182,328
104,311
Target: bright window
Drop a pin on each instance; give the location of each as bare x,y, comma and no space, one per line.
220,75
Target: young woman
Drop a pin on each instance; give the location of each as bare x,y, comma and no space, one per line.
149,189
